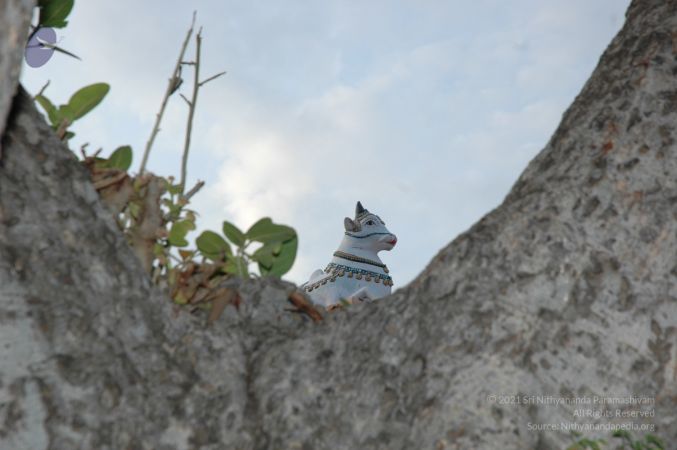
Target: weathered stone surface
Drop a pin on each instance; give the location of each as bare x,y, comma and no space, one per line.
91,356
14,19
566,290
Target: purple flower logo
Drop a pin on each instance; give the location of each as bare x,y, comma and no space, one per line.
41,46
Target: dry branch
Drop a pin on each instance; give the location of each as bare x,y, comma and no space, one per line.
171,88
191,110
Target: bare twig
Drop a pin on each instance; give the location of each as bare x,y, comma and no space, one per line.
194,190
170,89
197,84
213,77
184,97
191,109
42,90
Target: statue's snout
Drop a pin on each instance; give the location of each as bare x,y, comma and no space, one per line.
389,239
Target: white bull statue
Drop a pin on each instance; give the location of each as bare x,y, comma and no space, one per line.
355,273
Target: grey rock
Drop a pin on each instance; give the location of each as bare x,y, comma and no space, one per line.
565,290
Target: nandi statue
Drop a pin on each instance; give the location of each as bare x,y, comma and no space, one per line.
355,273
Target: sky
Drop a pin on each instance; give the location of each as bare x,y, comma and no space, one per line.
426,111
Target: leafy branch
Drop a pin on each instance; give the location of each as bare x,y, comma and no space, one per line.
80,103
152,211
53,13
275,256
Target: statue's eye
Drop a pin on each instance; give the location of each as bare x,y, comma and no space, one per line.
370,222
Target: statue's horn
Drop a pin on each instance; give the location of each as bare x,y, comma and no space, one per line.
359,209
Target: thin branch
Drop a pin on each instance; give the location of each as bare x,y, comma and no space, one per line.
168,93
211,78
184,97
191,109
194,191
42,90
83,150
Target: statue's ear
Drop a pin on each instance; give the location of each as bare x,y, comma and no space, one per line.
349,224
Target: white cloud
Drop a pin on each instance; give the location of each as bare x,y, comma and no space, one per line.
425,111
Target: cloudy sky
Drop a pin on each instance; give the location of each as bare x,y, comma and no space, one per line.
426,111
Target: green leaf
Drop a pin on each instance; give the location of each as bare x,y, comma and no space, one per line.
265,231
213,246
284,261
585,443
189,214
180,298
177,235
177,241
121,158
233,233
265,255
174,189
237,266
158,249
623,434
84,100
68,135
64,113
134,209
50,109
277,248
53,13
655,440
229,267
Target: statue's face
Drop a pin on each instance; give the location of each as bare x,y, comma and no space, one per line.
371,232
